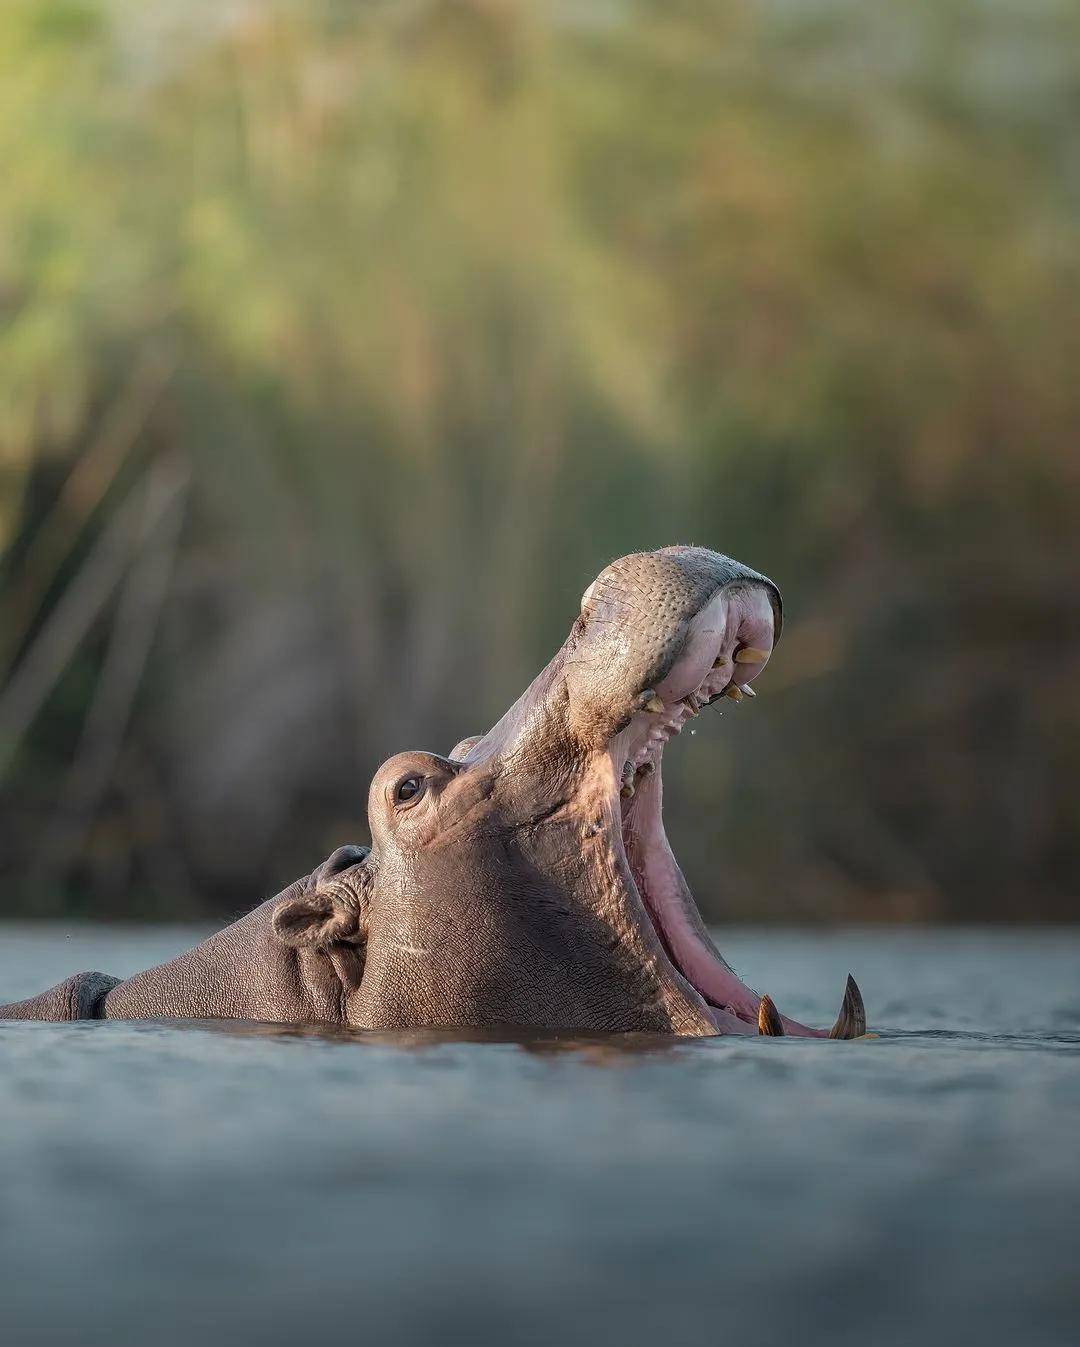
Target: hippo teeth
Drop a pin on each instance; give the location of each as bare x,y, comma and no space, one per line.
851,1022
769,1022
667,720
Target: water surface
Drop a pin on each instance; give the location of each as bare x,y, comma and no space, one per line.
201,1183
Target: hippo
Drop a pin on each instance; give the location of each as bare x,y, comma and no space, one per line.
525,882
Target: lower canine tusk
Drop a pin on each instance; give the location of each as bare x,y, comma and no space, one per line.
769,1022
749,655
851,1022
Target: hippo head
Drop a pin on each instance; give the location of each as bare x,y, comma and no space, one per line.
526,880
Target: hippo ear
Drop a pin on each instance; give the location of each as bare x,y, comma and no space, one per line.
313,921
332,912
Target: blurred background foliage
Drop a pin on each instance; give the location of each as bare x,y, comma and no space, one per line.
342,344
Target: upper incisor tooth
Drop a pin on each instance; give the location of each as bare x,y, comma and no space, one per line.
654,704
750,655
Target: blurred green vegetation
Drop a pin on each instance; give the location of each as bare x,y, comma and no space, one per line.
342,345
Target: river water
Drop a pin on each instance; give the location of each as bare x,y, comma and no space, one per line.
198,1184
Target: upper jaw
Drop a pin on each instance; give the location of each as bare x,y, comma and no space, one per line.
657,622
650,622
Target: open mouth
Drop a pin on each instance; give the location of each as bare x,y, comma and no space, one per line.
727,645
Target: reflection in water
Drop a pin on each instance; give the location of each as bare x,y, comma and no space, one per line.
598,1048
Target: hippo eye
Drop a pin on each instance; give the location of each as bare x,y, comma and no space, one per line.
407,789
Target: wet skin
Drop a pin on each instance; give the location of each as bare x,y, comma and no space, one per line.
526,880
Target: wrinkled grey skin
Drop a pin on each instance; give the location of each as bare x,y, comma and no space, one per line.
498,889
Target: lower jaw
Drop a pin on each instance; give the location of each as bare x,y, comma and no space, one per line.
669,905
